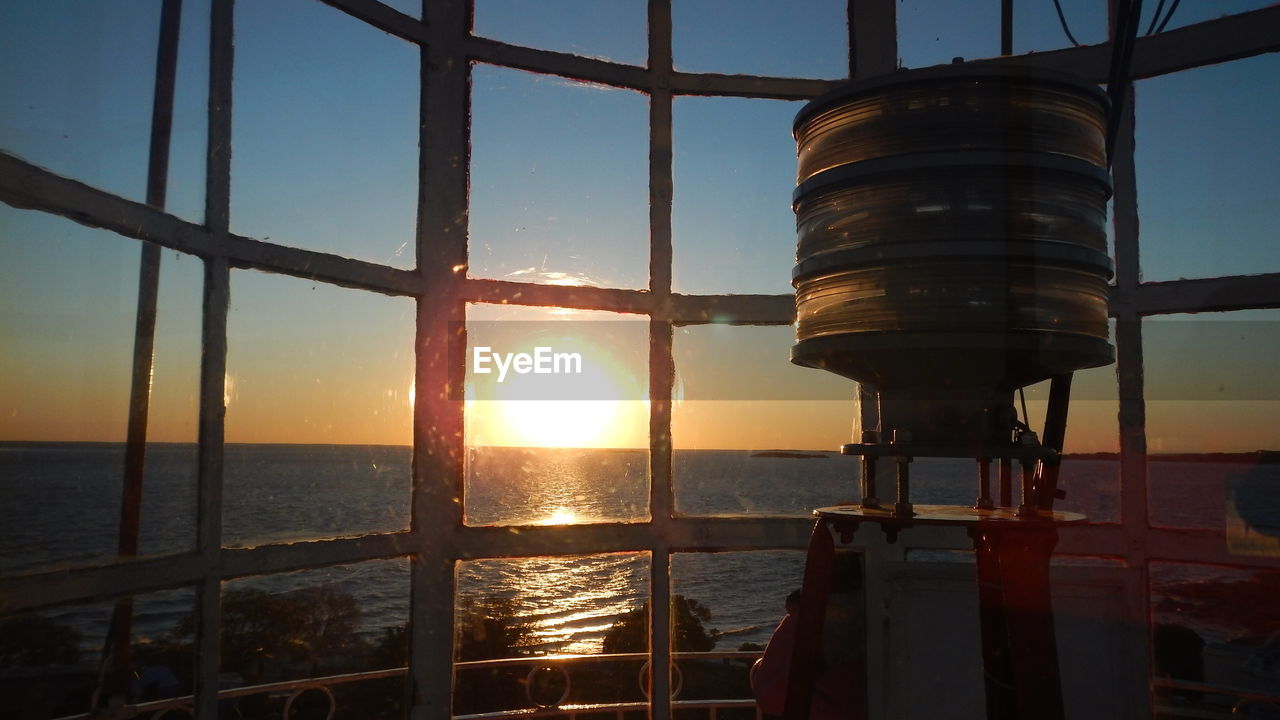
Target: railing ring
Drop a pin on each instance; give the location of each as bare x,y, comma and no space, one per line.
676,686
333,703
530,680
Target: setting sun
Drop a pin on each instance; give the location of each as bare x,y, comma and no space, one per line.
559,423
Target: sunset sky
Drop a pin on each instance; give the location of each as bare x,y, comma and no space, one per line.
325,134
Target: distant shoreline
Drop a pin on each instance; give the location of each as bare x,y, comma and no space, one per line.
1263,457
1257,457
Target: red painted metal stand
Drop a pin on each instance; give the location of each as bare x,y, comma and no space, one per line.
1019,647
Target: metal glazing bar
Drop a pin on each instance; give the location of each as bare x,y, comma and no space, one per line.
868,467
873,37
217,207
661,361
661,381
1207,294
149,280
383,17
997,666
1006,27
1132,416
213,370
903,506
1055,432
114,680
213,362
1006,482
1029,504
438,453
984,484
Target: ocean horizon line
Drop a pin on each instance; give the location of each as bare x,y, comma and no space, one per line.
1268,456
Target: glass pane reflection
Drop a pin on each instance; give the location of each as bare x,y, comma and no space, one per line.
1216,626
744,593
318,406
52,659
1090,470
313,623
1213,125
1212,399
794,39
169,484
77,84
549,606
325,131
609,31
755,434
1036,27
68,306
1197,12
934,33
732,226
559,181
739,602
189,145
565,446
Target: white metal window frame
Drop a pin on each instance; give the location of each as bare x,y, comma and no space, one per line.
437,538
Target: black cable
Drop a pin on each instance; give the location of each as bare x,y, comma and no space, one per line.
1168,17
1155,18
1057,5
1128,15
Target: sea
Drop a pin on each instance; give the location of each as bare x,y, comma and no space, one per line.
59,506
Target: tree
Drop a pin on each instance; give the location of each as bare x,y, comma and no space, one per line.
264,633
35,640
631,632
489,628
1243,609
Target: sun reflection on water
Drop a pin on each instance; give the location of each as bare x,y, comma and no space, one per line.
569,603
560,516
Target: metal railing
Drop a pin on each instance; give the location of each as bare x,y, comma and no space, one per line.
1238,702
291,690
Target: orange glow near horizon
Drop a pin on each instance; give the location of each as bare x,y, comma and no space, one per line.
558,423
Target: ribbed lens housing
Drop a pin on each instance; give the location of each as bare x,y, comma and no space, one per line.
951,229
932,111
